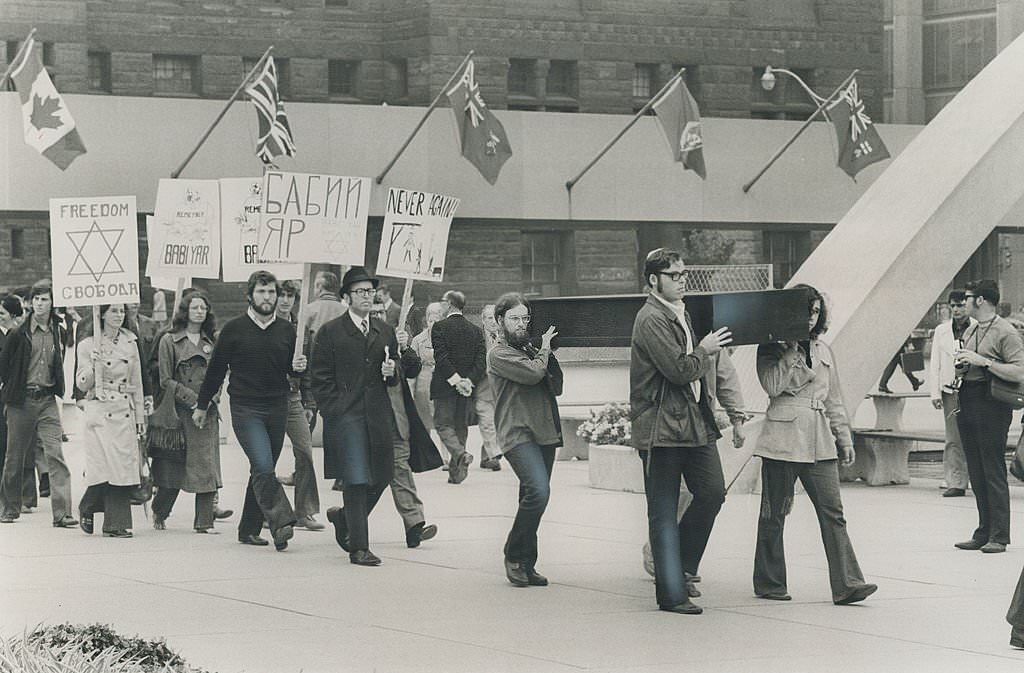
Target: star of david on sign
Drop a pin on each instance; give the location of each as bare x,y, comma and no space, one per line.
95,251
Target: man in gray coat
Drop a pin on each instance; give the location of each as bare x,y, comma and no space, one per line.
674,427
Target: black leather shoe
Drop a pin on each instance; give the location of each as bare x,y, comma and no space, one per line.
254,540
687,607
993,548
86,524
775,597
336,516
857,595
516,574
281,537
219,513
535,578
419,533
364,557
954,493
66,522
970,545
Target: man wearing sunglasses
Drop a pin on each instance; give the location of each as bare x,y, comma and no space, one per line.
942,382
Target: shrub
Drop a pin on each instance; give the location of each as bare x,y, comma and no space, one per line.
609,425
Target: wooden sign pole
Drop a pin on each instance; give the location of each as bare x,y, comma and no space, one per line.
406,304
300,326
97,342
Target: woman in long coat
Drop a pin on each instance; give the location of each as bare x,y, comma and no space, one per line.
114,421
425,350
189,459
806,429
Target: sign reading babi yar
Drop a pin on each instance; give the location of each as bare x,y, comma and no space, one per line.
188,228
95,247
415,234
158,280
313,218
241,203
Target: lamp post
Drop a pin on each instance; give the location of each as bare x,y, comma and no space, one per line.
768,83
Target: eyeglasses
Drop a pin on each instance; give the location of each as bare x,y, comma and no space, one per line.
521,319
674,275
363,292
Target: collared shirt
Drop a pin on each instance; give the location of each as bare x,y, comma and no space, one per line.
680,312
256,318
40,366
359,322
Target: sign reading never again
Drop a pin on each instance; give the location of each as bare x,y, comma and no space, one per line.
414,238
313,218
95,247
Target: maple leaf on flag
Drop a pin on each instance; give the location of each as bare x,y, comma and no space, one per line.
44,113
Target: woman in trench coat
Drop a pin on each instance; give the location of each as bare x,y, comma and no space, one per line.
805,432
189,457
114,421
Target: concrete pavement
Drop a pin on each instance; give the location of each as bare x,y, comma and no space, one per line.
447,606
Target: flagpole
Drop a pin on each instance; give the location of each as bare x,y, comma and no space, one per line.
423,120
799,131
17,57
647,106
234,96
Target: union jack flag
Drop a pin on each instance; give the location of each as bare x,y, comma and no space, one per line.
859,142
482,136
275,135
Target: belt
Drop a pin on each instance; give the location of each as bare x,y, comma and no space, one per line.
40,393
802,402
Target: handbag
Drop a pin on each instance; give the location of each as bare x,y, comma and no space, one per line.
1005,392
142,493
165,437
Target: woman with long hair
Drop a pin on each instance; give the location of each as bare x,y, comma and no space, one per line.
806,431
185,457
114,421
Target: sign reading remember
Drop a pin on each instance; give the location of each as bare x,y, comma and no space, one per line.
95,247
415,235
188,225
313,218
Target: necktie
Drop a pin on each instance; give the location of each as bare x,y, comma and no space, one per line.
365,326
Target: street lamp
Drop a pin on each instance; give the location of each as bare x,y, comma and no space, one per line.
768,82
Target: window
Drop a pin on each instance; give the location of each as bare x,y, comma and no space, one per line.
12,49
786,251
283,65
17,243
398,78
645,76
176,75
542,261
99,71
342,78
562,79
49,56
520,76
954,51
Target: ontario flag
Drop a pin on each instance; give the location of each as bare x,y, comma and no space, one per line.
482,136
275,135
859,142
680,120
49,127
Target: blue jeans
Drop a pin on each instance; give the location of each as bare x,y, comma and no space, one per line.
678,544
532,463
821,481
260,429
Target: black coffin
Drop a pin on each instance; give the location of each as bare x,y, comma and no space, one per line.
753,317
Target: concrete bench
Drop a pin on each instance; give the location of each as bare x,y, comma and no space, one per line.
889,409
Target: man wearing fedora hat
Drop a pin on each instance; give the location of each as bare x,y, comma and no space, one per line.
351,369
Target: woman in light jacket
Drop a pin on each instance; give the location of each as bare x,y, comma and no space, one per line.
183,356
114,421
805,431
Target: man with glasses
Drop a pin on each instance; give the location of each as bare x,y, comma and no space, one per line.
942,379
674,428
460,363
991,347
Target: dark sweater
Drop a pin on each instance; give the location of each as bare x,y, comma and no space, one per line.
260,361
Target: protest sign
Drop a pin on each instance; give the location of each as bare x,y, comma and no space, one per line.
95,248
313,218
188,228
415,235
156,279
241,200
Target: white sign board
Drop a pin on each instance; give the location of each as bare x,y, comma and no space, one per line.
158,280
241,200
95,247
415,235
188,221
311,218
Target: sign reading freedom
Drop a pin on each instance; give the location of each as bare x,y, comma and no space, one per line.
313,218
95,245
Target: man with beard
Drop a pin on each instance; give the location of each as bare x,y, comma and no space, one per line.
257,348
674,427
526,382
